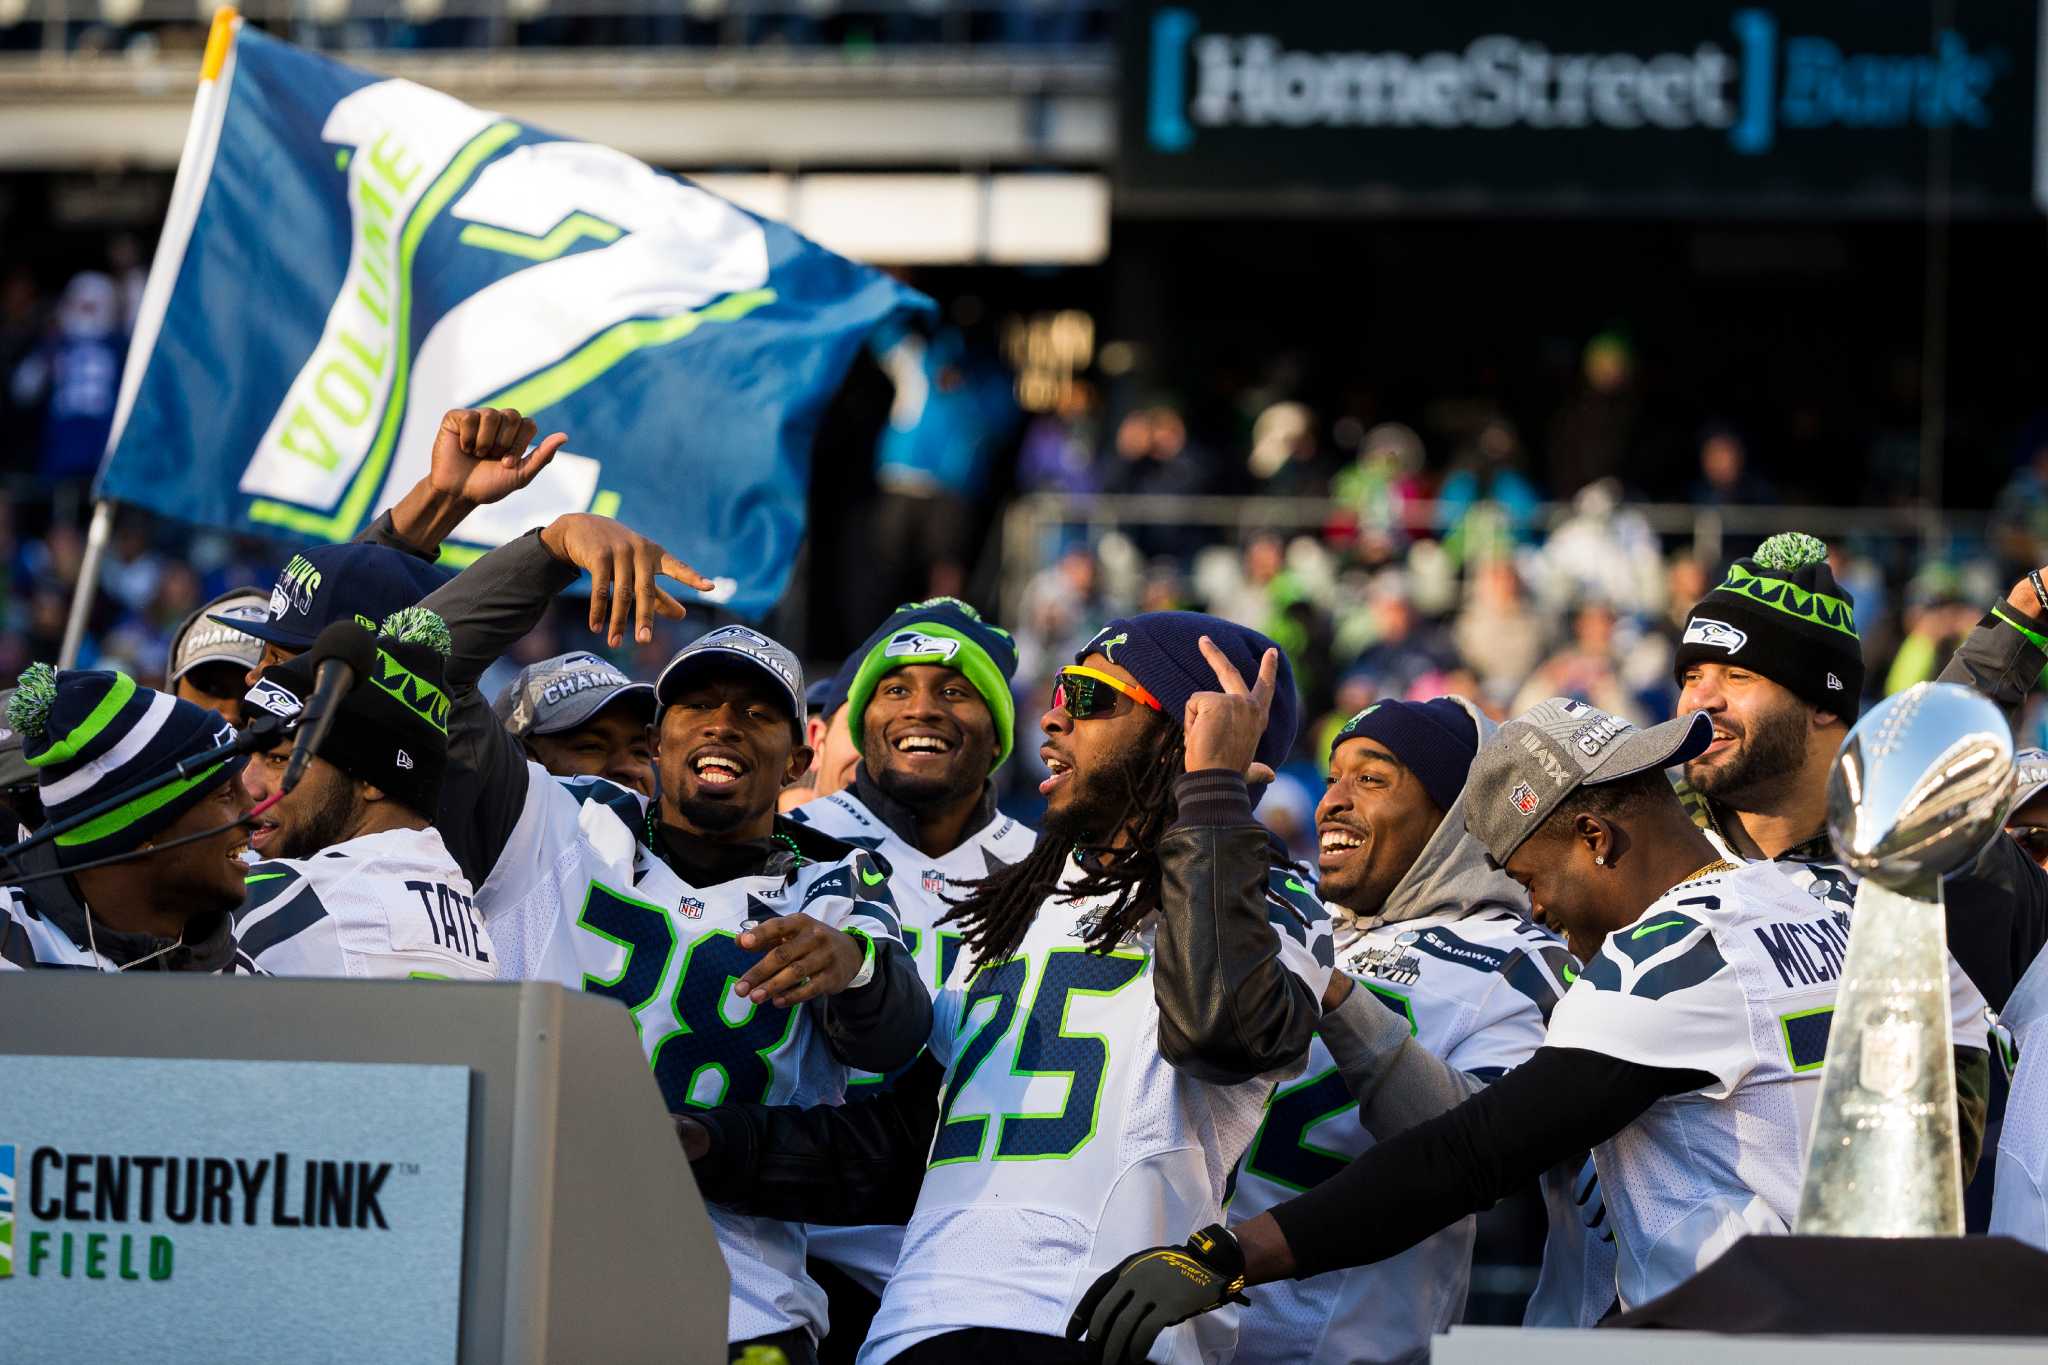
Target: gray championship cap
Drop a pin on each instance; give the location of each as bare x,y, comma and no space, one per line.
1536,760
2030,777
568,691
212,635
729,643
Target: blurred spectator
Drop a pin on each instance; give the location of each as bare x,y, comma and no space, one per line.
1404,648
124,262
1586,669
1487,504
1286,458
1942,604
1154,459
20,332
2019,518
1379,488
952,414
132,570
1602,551
1499,633
76,374
1058,455
1726,479
1062,607
1593,434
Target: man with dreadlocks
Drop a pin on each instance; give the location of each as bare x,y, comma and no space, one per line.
1127,998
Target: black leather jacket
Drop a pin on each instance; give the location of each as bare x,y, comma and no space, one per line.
1229,1011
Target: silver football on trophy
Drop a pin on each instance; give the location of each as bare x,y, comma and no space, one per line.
1920,786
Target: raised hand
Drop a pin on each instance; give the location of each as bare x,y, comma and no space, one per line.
801,959
480,454
622,565
1223,728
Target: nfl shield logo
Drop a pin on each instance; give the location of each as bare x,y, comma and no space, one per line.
1524,798
934,882
693,908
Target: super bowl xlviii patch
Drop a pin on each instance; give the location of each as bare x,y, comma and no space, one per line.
1524,798
1714,634
909,644
1391,963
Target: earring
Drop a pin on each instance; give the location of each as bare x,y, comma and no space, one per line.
1600,860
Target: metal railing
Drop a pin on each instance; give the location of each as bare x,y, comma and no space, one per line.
1033,524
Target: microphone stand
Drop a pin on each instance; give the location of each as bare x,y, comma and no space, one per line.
256,736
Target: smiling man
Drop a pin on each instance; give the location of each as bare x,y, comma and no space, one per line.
163,905
1682,1076
355,880
1127,998
929,711
760,957
577,715
1435,946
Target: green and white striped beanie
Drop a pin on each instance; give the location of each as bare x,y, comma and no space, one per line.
90,733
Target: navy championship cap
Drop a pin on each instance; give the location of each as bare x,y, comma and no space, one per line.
330,583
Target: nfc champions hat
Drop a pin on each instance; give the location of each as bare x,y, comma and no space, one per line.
330,583
1536,760
724,645
2030,779
218,633
567,691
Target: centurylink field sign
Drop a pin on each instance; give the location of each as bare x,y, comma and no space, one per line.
1601,106
226,1210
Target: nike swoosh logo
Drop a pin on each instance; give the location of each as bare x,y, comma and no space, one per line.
1570,974
264,877
1653,928
1293,885
872,880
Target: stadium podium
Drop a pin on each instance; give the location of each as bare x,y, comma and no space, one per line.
521,1166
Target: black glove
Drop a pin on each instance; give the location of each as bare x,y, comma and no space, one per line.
1124,1312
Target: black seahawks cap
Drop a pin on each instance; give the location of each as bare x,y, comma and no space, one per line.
735,642
330,583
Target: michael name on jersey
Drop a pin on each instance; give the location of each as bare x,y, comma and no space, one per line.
1807,952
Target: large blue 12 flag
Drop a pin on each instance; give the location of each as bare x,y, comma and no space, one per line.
347,257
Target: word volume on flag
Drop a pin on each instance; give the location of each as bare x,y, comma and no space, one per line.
346,257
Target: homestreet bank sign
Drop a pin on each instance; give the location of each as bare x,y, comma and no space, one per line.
1601,103
244,1210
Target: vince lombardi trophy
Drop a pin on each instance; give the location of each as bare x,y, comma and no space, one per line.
1919,788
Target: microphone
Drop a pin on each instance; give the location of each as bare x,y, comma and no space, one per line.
343,653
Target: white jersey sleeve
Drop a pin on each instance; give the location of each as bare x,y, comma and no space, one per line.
1660,994
1308,947
855,895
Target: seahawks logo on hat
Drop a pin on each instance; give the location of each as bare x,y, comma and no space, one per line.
274,697
1714,634
906,644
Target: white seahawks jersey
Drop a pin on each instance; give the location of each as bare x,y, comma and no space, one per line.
576,898
1733,975
392,904
1065,1141
1476,990
921,885
1834,884
2019,1200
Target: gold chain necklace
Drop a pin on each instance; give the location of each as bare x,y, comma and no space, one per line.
1718,865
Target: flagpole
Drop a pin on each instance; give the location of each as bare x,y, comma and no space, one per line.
185,192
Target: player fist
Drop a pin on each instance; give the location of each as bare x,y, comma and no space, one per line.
480,454
1124,1311
1223,728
